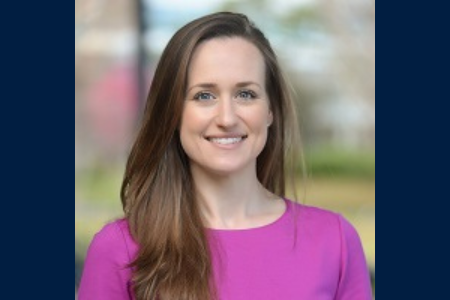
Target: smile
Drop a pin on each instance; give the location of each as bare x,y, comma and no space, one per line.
226,140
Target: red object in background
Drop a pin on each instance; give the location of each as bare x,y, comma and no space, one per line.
112,108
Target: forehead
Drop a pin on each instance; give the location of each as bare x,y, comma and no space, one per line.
227,59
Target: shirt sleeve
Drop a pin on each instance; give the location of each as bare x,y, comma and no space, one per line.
106,275
354,282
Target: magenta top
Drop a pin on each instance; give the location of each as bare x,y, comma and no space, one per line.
265,263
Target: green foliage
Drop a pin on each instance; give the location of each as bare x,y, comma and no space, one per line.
99,185
332,162
299,16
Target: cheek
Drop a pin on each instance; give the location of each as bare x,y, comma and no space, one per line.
259,120
189,120
192,126
186,139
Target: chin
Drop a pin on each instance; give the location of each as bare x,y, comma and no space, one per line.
225,169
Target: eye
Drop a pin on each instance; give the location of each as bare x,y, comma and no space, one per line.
246,94
203,96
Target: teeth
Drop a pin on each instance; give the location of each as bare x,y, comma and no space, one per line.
226,141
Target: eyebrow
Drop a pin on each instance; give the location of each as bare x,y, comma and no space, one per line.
210,85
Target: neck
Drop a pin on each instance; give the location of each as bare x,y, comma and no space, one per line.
232,201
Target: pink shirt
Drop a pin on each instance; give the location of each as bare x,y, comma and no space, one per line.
263,263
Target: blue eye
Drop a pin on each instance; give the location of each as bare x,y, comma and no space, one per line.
202,96
247,95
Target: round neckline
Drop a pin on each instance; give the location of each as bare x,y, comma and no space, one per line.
265,226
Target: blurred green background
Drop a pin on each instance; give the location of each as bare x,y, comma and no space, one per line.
326,48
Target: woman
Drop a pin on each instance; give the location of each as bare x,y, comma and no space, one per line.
203,191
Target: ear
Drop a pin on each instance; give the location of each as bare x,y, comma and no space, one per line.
269,118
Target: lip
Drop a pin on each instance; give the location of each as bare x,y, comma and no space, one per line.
239,139
225,136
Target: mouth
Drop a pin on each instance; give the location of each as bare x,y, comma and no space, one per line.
226,140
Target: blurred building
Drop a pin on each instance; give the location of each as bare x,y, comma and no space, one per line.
106,101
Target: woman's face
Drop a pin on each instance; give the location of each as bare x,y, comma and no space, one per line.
226,112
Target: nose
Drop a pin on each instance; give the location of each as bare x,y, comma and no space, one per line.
226,113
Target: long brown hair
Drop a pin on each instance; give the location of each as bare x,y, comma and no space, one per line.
158,197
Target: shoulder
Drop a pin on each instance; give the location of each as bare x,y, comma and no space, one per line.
114,230
313,214
331,237
114,241
107,272
323,221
